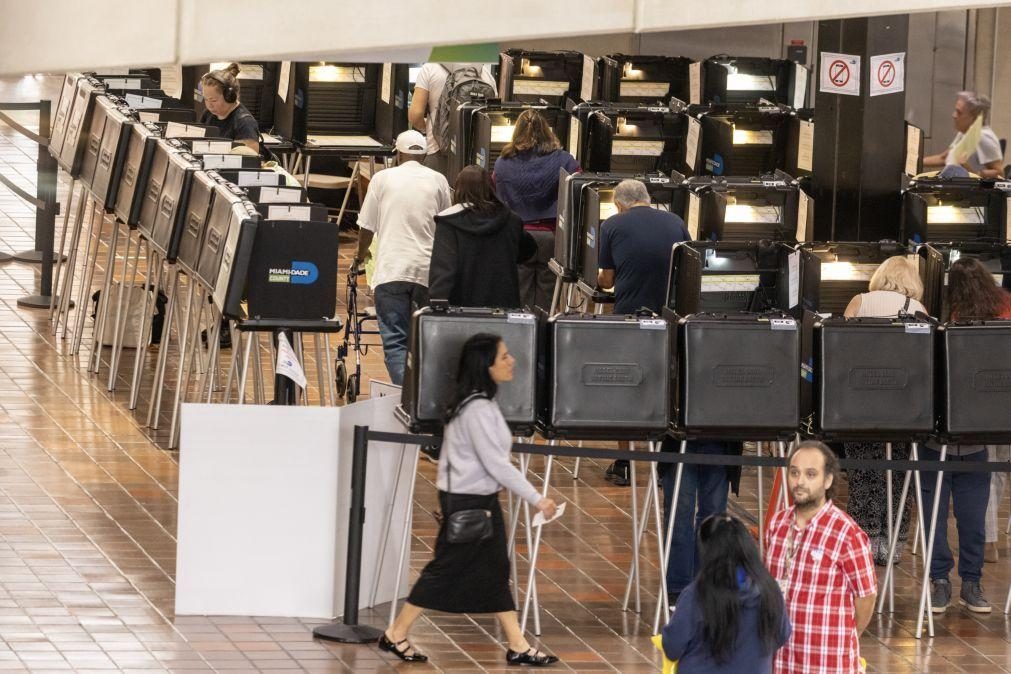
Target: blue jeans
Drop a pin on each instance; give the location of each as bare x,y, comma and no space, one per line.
703,493
970,493
395,302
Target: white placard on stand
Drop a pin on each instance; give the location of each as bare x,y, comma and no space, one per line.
264,496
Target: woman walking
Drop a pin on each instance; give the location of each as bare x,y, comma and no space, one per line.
470,571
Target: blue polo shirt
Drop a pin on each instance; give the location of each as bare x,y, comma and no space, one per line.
637,244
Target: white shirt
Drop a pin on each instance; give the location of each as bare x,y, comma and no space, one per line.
887,304
400,208
432,78
987,151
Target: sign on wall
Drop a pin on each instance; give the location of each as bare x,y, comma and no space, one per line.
888,74
840,74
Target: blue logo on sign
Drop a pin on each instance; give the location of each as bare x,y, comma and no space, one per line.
715,165
304,273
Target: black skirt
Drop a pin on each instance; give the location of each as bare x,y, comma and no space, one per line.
467,577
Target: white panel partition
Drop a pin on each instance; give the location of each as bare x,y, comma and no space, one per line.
264,494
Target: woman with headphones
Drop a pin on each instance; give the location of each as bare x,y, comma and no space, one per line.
224,111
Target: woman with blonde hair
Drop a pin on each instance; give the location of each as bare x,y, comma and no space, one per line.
526,178
895,289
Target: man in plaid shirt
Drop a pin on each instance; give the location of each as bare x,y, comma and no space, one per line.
823,563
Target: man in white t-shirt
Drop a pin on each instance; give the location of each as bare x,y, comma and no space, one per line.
399,211
987,159
425,104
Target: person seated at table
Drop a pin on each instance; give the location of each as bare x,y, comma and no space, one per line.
225,112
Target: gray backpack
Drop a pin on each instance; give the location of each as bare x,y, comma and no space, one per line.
462,83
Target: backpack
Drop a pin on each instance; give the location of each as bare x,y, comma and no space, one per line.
461,84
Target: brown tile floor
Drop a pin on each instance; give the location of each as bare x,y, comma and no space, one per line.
87,533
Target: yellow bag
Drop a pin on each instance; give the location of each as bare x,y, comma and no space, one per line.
969,142
669,666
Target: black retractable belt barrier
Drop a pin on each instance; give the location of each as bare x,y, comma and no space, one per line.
875,378
606,377
437,336
349,631
739,376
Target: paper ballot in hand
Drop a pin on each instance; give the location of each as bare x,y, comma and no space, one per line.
539,517
287,363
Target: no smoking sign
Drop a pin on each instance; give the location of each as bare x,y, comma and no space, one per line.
888,74
840,74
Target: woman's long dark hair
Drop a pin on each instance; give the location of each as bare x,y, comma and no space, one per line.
473,186
472,376
726,549
974,293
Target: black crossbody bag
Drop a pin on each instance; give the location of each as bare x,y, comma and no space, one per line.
465,526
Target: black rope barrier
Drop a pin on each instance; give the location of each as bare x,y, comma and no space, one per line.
950,465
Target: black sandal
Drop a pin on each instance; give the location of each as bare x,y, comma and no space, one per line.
386,644
531,657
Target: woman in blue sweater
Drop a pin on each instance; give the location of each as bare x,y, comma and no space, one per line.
526,178
732,617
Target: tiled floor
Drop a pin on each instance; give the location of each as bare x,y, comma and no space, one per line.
87,534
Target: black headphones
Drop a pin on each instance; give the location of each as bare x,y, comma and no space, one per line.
229,92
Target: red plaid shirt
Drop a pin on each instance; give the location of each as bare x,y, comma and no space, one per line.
830,565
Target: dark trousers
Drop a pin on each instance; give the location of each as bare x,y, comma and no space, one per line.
537,281
703,493
970,493
395,303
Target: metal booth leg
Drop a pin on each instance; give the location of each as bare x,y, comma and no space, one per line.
58,260
672,515
152,282
932,533
102,318
157,386
893,538
531,588
639,530
129,277
94,235
187,354
63,313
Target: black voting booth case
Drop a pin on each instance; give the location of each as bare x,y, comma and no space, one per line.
738,140
640,79
845,270
629,139
194,224
875,378
75,139
956,209
326,101
729,278
606,377
973,366
557,77
738,376
935,260
437,336
136,168
586,200
745,79
743,208
62,114
112,128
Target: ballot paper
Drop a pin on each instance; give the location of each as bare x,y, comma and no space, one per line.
695,83
539,517
805,146
177,130
386,88
138,102
287,362
283,76
692,142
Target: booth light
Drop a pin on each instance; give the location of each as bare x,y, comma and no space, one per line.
501,133
530,70
607,209
752,137
953,255
740,213
331,73
847,271
953,215
630,72
739,82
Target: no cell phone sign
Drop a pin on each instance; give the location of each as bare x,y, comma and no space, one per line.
840,74
888,74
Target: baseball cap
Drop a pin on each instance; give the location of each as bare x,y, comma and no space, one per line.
411,142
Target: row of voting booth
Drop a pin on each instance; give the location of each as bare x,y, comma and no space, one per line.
727,363
242,243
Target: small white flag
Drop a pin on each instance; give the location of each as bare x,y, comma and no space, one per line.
287,363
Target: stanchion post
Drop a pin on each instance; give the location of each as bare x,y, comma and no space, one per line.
349,631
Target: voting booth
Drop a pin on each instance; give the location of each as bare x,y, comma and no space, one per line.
845,271
606,377
955,209
743,208
349,105
977,384
644,80
437,336
623,138
586,200
111,131
737,140
935,259
728,278
748,79
561,78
